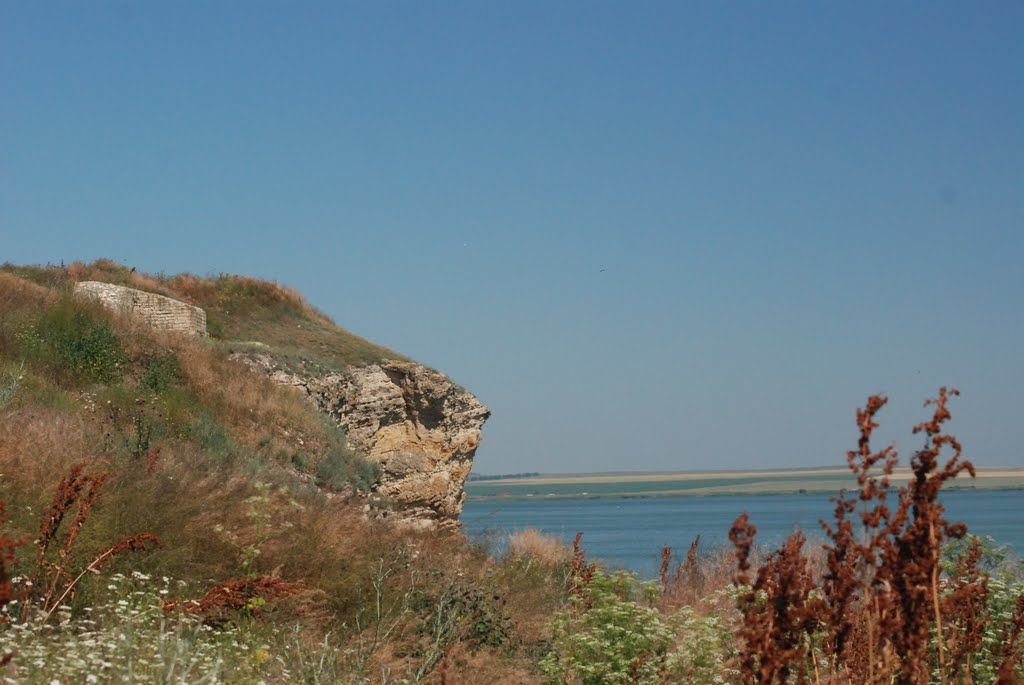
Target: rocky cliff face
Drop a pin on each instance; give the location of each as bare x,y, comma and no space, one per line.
420,427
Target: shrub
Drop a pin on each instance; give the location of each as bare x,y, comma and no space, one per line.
160,373
610,635
340,466
76,342
706,649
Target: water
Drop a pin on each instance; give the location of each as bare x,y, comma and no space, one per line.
630,532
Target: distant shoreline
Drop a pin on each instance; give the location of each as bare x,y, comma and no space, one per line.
696,484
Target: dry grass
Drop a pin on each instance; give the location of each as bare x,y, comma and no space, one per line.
58,439
537,546
251,406
700,579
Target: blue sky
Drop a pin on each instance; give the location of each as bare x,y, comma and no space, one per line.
648,235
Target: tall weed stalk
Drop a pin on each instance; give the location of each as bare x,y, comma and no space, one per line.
882,611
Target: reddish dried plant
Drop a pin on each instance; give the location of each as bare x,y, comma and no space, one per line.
851,579
236,595
780,615
637,667
682,585
132,543
8,546
152,458
53,580
881,598
581,572
663,569
909,566
964,606
1012,646
688,569
8,592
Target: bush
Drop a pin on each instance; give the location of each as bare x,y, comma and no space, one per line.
76,343
608,637
340,466
161,373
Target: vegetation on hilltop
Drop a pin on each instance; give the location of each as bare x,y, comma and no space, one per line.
240,310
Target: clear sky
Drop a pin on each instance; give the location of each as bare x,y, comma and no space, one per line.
648,235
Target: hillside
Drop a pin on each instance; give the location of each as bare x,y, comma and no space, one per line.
236,508
414,431
110,429
148,388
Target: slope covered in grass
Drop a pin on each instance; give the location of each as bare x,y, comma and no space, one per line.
138,467
239,310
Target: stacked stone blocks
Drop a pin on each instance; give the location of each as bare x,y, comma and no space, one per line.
156,310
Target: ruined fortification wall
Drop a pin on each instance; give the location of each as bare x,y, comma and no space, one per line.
156,310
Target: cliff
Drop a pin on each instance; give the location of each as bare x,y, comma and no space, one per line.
420,428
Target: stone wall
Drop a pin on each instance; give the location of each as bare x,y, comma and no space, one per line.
156,310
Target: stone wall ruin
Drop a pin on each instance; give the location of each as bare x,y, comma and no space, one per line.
158,311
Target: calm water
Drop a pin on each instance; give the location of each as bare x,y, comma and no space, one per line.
630,532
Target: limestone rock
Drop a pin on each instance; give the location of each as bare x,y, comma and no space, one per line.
420,427
156,310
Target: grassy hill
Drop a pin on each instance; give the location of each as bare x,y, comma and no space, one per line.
109,430
168,516
74,359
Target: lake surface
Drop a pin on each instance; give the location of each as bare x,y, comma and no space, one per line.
630,532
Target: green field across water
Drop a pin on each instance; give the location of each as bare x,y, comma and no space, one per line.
695,484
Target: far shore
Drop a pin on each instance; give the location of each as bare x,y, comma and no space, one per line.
689,483
902,473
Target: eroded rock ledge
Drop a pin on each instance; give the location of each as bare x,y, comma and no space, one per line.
420,427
